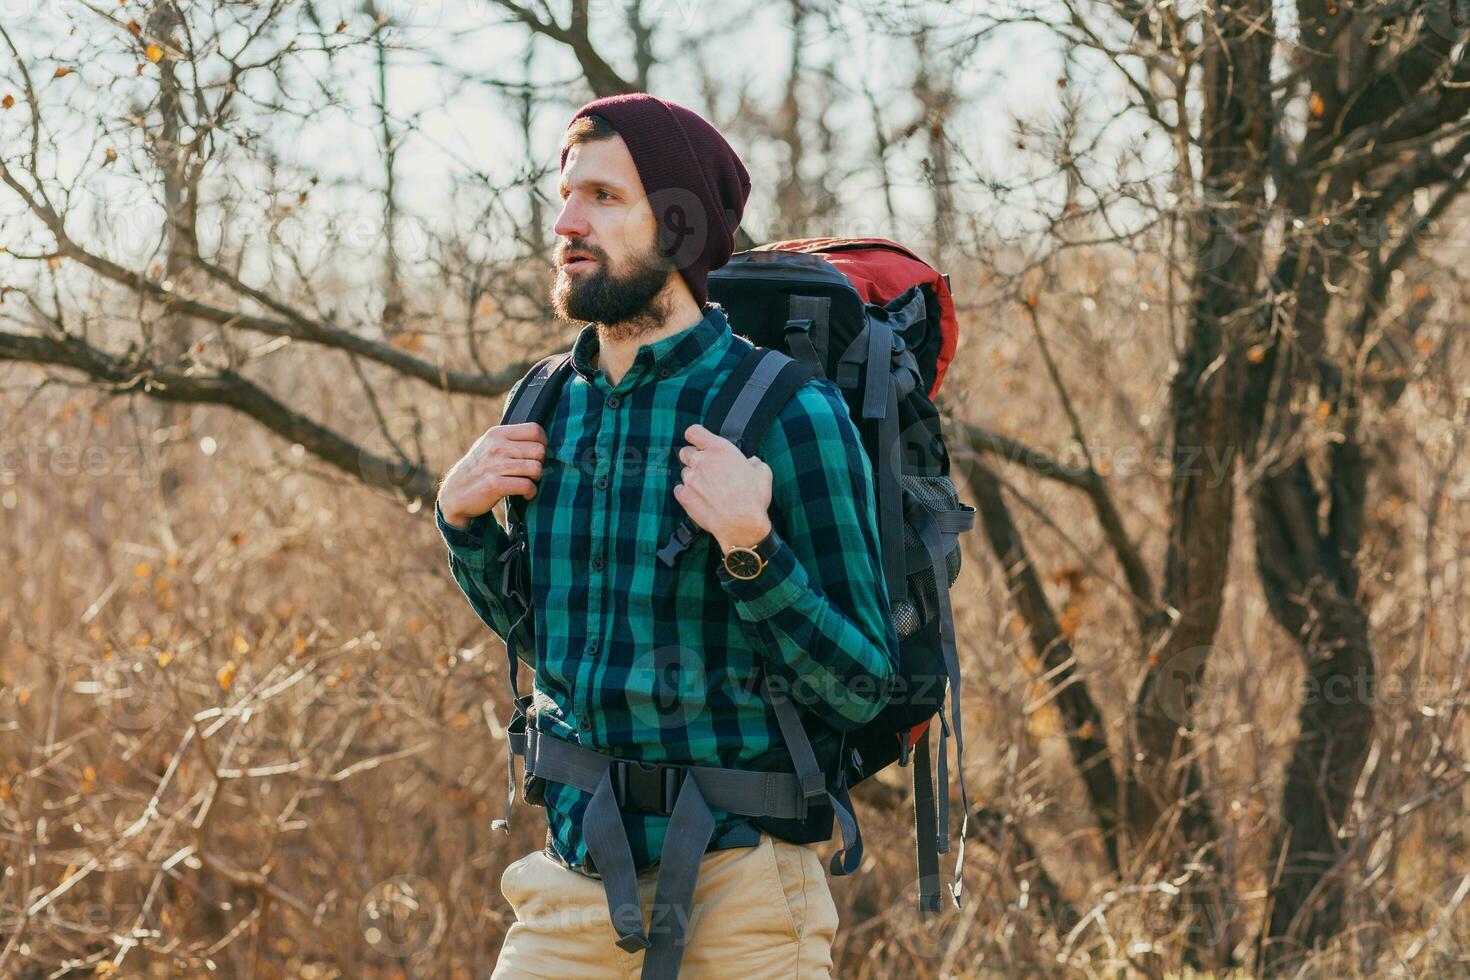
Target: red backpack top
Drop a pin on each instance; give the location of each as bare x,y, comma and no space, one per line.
881,270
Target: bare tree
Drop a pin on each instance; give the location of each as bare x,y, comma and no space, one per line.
1286,181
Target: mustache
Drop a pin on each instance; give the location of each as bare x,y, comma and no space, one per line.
568,246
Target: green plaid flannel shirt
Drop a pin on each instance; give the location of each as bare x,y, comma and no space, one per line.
646,662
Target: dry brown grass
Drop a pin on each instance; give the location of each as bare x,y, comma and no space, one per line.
243,729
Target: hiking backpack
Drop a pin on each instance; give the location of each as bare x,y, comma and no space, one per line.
870,315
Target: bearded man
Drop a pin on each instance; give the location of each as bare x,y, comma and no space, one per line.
641,667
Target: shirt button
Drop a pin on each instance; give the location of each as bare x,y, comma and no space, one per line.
602,483
663,372
592,645
597,564
613,401
586,726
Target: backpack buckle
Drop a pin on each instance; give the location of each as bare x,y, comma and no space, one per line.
677,544
646,787
512,567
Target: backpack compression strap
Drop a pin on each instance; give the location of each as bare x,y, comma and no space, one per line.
806,329
743,409
878,363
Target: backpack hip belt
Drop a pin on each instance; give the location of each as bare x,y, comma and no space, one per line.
685,793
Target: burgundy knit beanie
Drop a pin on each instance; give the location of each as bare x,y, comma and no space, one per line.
695,183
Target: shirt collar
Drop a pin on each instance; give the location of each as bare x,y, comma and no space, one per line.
663,358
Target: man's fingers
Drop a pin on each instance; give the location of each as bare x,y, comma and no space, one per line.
526,449
689,500
524,431
687,495
700,437
518,486
521,466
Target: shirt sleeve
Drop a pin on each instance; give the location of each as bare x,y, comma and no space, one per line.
472,562
820,608
473,554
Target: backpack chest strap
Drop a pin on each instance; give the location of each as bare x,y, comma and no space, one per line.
743,409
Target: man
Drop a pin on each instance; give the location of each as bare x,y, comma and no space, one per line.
640,661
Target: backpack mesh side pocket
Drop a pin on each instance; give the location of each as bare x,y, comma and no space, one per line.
920,606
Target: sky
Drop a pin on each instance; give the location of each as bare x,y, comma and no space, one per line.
455,121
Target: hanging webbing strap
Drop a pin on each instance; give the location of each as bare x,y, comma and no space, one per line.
924,826
938,544
814,783
607,844
742,410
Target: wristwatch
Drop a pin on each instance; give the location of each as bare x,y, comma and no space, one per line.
746,563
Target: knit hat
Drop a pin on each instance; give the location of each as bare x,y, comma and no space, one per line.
696,184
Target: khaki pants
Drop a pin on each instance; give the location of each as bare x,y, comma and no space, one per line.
762,911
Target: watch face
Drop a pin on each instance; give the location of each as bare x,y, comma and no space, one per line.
742,563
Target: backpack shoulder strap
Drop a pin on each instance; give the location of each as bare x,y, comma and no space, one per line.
537,392
533,400
743,409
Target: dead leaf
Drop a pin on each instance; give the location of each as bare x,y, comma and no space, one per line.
409,340
62,72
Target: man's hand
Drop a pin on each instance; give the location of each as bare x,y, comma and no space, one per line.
724,491
504,462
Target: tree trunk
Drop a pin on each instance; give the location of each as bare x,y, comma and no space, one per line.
1236,123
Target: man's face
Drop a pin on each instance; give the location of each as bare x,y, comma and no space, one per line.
608,262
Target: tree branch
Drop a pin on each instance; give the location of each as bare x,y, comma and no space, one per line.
223,387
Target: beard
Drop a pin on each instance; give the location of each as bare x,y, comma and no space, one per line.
622,304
